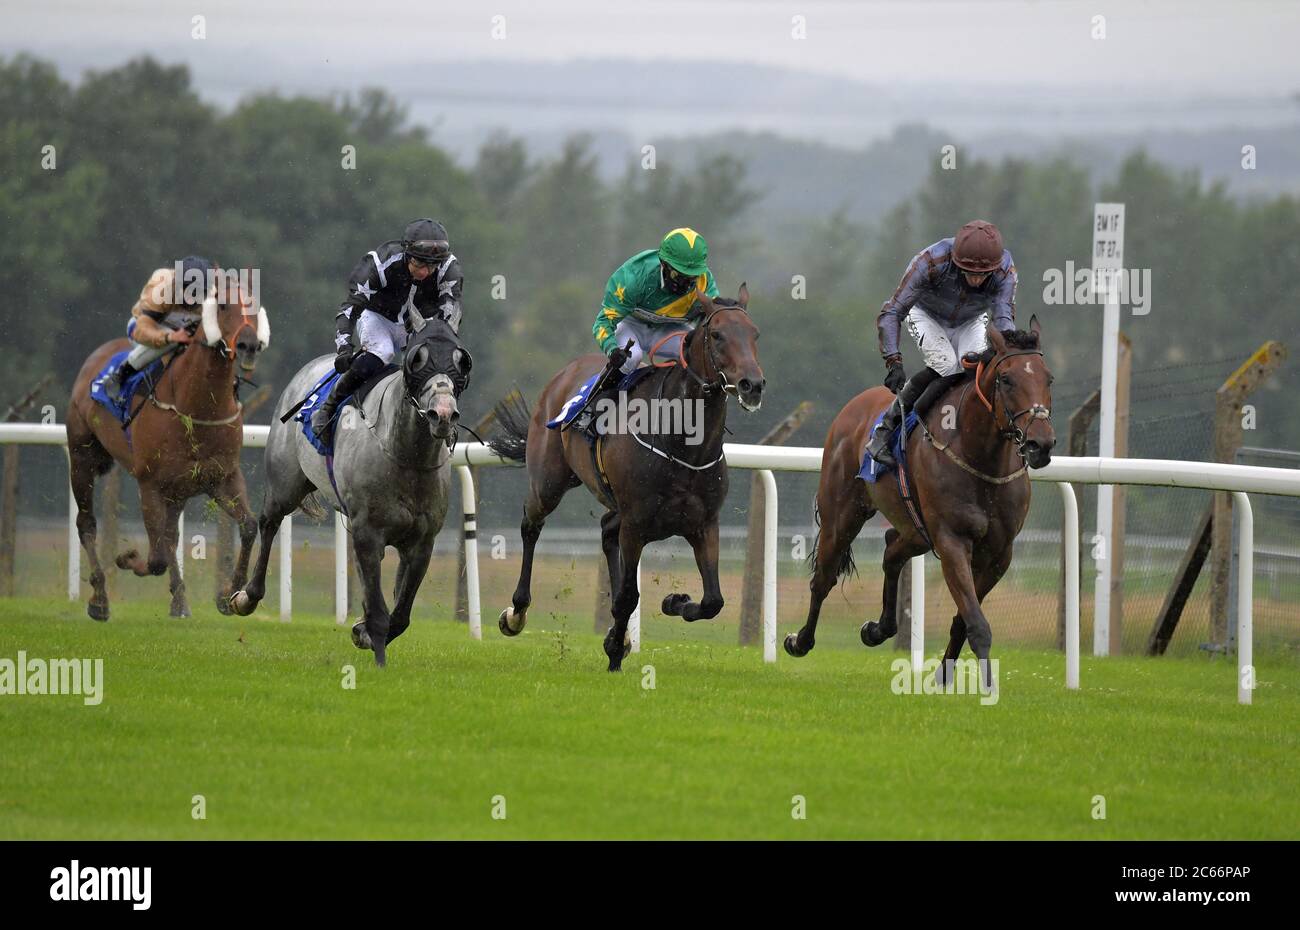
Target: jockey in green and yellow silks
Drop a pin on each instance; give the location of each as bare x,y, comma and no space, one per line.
651,296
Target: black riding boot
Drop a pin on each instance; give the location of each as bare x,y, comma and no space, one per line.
878,447
938,387
606,387
363,367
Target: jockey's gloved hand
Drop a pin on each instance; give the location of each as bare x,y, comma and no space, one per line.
895,377
618,357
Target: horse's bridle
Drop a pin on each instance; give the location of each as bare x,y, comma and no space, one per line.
1011,431
708,385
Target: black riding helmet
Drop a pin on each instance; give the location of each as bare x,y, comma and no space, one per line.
194,267
426,241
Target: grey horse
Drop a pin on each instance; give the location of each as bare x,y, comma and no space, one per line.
391,475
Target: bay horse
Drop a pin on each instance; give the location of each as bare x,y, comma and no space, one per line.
651,488
184,440
390,474
972,485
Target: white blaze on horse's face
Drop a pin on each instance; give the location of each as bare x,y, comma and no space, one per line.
438,401
1029,369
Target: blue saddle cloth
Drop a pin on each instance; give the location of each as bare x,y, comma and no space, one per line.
578,400
317,397
121,411
871,470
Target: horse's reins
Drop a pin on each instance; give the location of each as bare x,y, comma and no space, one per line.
706,385
172,408
1011,432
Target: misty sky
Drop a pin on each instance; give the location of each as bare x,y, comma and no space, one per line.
1231,48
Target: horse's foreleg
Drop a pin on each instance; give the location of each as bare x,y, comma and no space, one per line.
232,497
372,630
153,513
85,465
180,606
831,559
985,579
955,554
277,503
705,546
609,524
410,574
625,597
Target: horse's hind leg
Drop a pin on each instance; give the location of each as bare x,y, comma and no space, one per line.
231,495
832,558
543,497
898,549
88,460
705,545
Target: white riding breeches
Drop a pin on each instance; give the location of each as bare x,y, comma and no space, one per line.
141,355
943,346
380,336
645,336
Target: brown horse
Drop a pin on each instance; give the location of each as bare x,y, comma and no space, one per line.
675,488
970,480
183,441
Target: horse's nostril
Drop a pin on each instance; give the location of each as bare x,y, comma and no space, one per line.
746,385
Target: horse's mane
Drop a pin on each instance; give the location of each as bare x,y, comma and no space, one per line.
1022,339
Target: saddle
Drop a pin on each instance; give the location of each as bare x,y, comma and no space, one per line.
148,378
303,411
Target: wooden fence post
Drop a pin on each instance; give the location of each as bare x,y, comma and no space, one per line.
1228,401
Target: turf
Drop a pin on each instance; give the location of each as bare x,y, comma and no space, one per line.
252,715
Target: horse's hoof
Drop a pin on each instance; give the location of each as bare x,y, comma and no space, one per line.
223,605
97,612
126,559
616,656
360,636
673,604
871,635
506,625
792,646
241,603
180,613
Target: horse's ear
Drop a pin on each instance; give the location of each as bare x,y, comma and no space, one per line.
998,343
704,301
1033,324
743,296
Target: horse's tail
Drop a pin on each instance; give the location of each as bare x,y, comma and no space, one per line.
311,505
512,418
847,566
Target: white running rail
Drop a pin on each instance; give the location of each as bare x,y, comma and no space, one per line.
1240,480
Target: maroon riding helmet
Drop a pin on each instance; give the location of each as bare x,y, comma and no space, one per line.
978,247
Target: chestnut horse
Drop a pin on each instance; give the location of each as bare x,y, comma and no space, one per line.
674,489
184,440
971,482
